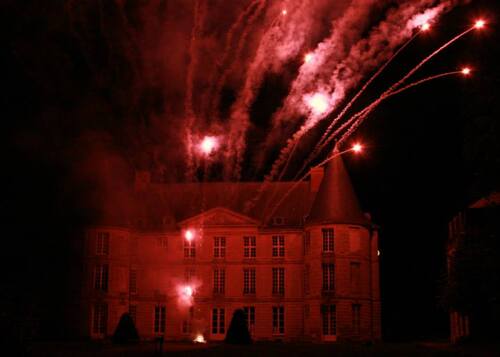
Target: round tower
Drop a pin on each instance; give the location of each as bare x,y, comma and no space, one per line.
341,287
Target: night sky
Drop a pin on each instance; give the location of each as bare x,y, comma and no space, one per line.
91,93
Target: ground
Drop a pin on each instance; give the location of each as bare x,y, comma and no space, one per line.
263,350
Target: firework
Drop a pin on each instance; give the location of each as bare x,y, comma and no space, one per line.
208,145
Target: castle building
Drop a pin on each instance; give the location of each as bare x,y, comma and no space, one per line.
187,255
473,262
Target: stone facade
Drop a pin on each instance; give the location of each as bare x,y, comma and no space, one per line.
306,277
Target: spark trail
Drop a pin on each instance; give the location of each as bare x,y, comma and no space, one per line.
318,147
188,100
356,120
397,84
365,55
252,12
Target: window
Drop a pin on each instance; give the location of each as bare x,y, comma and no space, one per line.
306,279
133,281
218,321
278,246
101,275
189,274
356,318
219,281
328,277
355,277
329,320
249,247
132,311
278,320
328,240
250,318
187,325
279,281
160,315
249,281
100,319
163,242
102,243
189,249
219,247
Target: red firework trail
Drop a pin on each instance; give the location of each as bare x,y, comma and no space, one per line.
188,100
320,145
361,115
432,55
256,7
361,91
393,88
358,122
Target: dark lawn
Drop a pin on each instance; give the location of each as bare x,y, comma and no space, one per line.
262,350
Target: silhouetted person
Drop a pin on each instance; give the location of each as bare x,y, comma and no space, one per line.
238,330
125,331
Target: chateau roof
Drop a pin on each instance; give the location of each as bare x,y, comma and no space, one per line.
163,206
336,201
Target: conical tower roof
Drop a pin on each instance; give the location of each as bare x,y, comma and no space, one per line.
336,201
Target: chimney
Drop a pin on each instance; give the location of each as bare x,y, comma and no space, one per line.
316,174
142,180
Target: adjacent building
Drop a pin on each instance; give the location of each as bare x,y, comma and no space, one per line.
187,255
472,289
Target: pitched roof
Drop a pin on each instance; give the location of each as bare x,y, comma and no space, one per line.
336,201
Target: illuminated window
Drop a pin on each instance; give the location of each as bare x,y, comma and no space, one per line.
278,320
218,321
355,277
328,240
187,325
189,249
100,319
249,247
250,318
328,277
102,243
356,318
249,281
159,322
279,281
329,320
101,276
133,281
219,247
278,246
132,311
219,281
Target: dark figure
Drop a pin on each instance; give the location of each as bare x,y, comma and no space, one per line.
238,330
125,331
